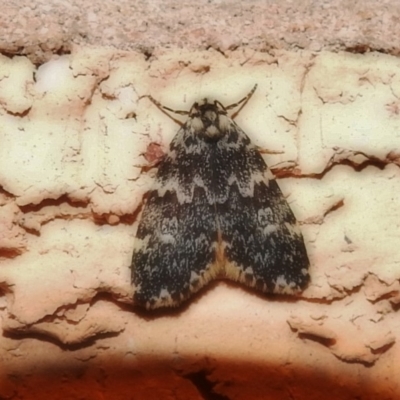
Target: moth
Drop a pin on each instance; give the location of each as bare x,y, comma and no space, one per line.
215,211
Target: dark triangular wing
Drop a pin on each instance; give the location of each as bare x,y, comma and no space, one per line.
175,251
263,245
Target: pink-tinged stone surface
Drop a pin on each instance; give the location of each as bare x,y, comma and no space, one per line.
75,141
40,29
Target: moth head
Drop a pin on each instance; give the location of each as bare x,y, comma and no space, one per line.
209,119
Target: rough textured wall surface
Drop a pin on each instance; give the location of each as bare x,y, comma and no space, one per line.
75,145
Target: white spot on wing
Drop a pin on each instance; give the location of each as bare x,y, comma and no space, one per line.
164,294
283,286
246,188
270,229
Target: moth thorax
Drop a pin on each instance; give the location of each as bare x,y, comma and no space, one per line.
213,132
215,124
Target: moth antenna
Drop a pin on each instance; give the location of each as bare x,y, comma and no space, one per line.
164,109
244,101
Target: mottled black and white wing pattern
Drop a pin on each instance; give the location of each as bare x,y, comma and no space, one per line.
215,211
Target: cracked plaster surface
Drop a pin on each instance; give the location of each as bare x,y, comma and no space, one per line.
75,145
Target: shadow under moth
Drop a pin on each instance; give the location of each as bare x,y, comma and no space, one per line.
215,211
